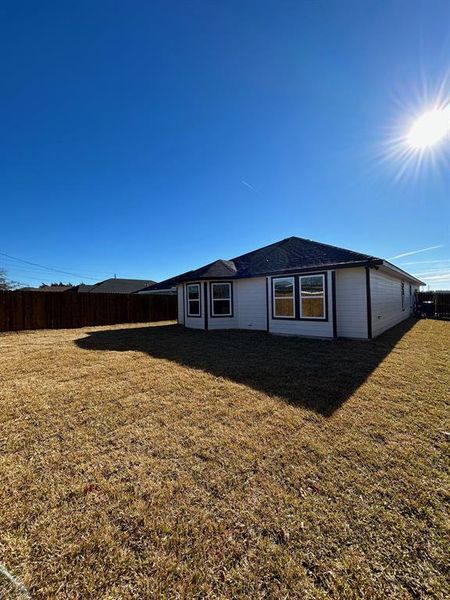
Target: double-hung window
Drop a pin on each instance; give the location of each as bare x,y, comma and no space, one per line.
283,298
193,300
221,300
312,297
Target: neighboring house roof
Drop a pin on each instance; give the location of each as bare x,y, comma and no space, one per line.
291,254
82,288
46,288
172,291
119,286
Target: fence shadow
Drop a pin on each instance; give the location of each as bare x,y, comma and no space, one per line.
318,375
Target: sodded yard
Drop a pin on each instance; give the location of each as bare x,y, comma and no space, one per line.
157,462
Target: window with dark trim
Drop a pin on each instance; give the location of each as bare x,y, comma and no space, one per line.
193,300
403,295
283,297
221,299
312,296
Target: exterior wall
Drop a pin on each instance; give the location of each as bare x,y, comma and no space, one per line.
195,322
180,304
351,303
312,328
224,322
250,303
250,310
249,307
387,301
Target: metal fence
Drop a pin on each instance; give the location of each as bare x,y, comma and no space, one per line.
440,309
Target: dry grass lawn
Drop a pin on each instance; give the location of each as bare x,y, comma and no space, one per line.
157,462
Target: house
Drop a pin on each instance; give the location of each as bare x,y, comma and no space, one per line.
172,291
54,287
114,286
82,288
298,287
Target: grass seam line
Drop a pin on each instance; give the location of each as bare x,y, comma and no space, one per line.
16,582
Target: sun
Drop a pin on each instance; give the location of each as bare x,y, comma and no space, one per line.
416,142
429,129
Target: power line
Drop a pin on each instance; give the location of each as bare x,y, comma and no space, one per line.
55,270
14,264
23,278
29,277
18,267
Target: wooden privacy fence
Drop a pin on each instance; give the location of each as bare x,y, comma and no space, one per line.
55,310
441,302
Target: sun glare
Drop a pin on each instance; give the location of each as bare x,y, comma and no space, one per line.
429,129
417,141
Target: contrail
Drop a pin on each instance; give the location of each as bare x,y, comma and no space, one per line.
425,262
416,251
442,277
248,185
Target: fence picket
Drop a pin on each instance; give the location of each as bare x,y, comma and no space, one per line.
58,310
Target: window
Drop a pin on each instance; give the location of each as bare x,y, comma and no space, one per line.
221,301
283,298
312,297
193,300
403,295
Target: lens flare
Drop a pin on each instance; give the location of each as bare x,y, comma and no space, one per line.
429,129
416,142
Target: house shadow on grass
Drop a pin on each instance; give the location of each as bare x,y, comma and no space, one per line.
316,374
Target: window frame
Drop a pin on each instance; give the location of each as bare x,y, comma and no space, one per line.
294,298
402,294
324,294
211,300
297,304
188,313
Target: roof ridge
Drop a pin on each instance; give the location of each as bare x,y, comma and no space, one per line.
296,237
290,253
274,244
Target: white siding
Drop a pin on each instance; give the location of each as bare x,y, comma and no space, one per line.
180,304
249,306
250,303
223,322
351,303
196,322
387,301
305,327
250,311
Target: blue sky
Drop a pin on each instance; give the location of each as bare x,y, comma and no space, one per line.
149,138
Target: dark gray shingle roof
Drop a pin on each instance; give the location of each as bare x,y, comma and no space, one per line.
292,253
120,286
81,288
